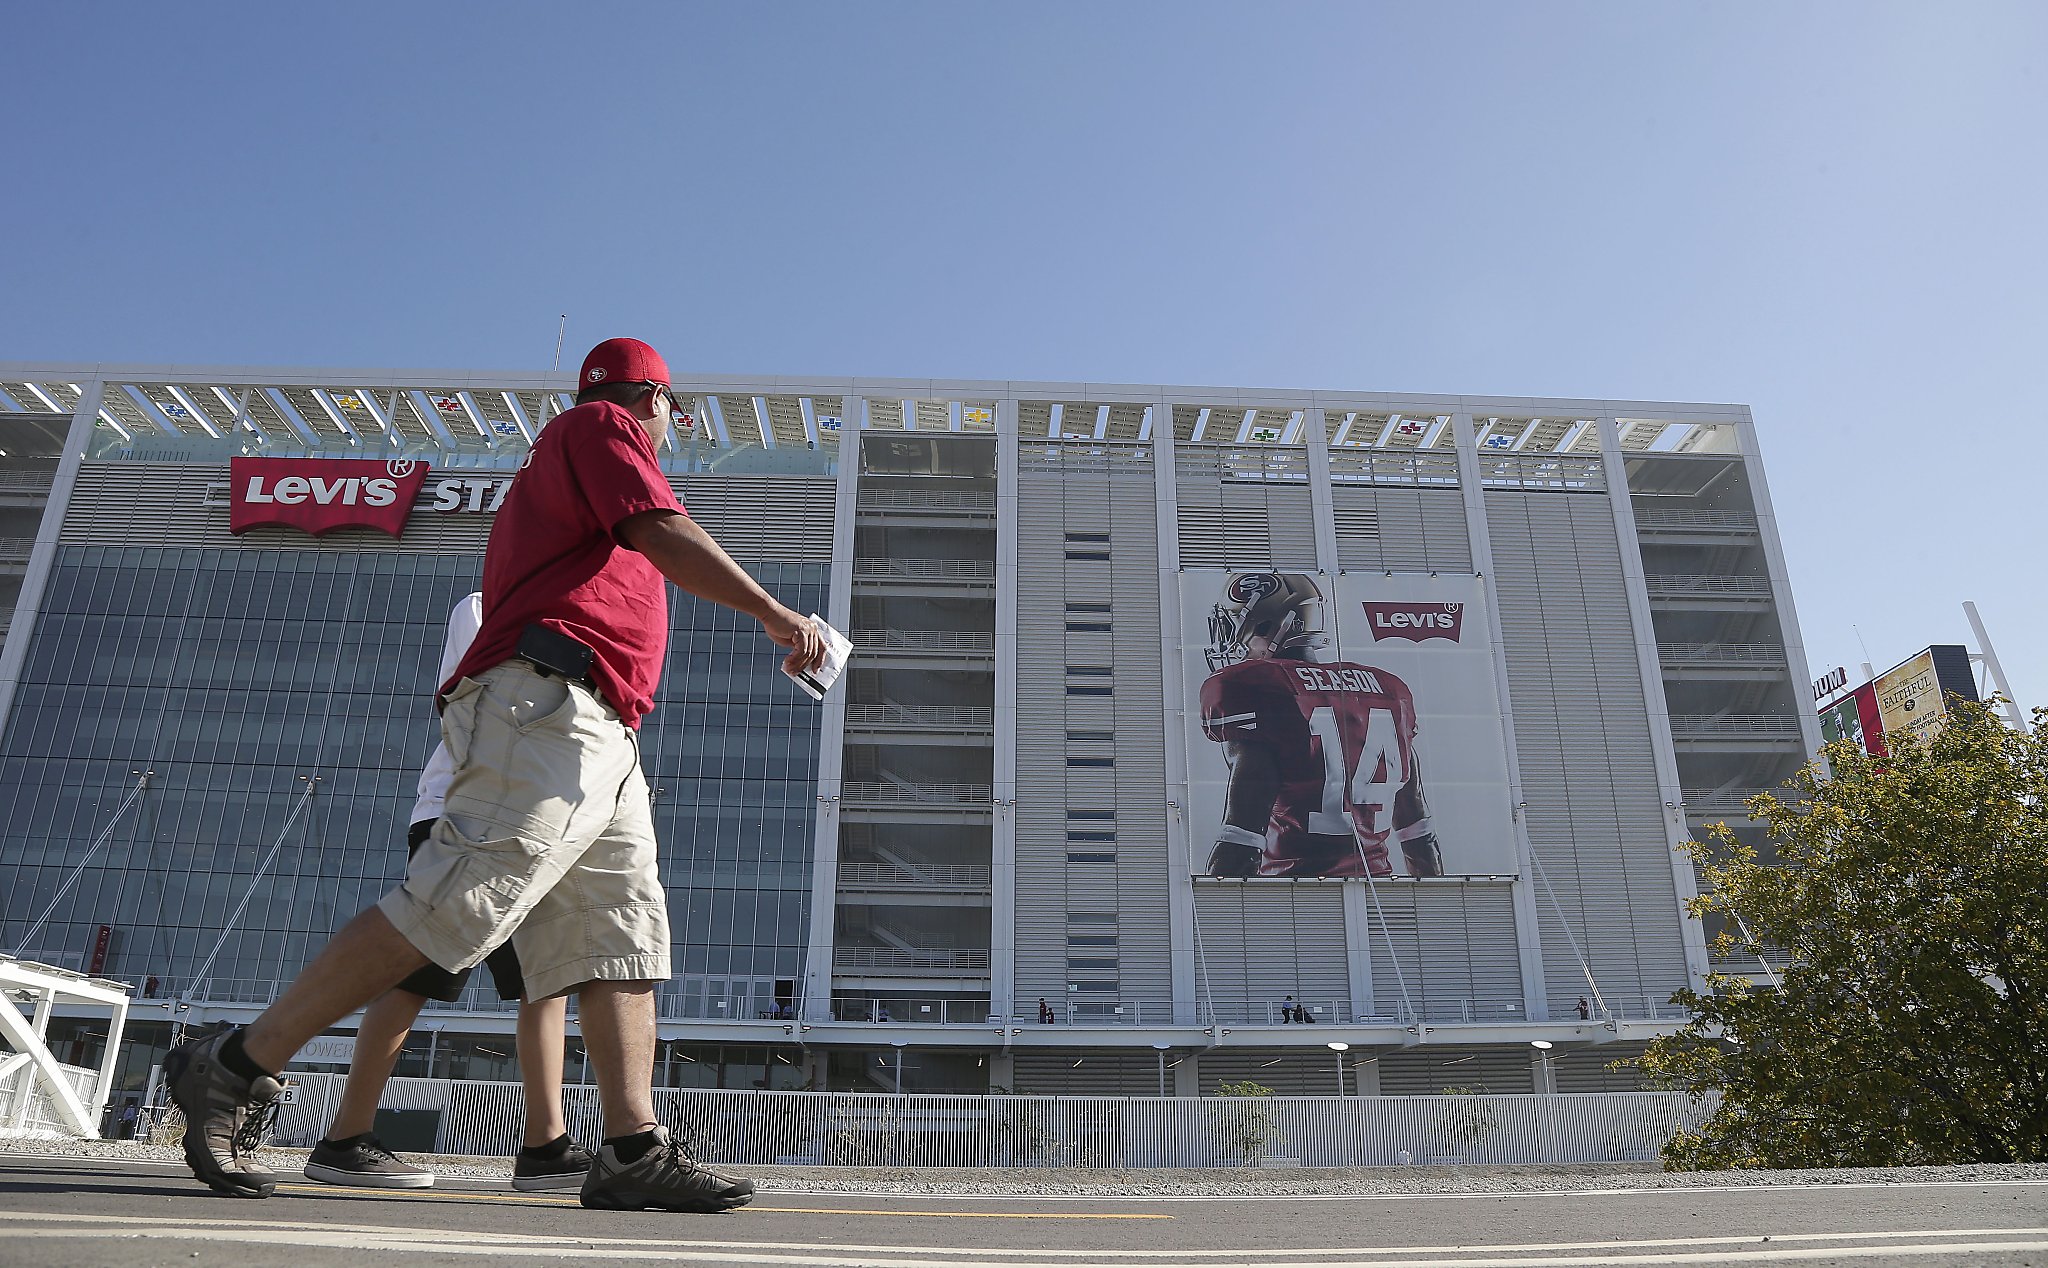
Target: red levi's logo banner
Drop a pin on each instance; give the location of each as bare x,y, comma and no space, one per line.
319,495
1415,621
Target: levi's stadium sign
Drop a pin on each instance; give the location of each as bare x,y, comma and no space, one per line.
320,495
1415,621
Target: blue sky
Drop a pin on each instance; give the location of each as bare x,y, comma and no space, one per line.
1831,213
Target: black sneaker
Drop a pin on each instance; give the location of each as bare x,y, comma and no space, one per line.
566,1172
664,1179
363,1161
223,1114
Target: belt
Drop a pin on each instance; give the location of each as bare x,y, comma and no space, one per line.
545,672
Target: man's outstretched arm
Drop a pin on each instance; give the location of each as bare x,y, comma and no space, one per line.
688,556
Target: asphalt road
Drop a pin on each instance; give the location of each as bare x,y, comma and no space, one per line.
69,1211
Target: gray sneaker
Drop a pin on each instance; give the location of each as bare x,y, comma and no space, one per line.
223,1114
664,1179
363,1161
565,1172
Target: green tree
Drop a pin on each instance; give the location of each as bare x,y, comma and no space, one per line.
1243,1122
1909,906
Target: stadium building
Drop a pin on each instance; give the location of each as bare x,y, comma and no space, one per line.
1191,731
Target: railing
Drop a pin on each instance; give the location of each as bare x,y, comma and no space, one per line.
1541,471
1676,585
1719,800
916,794
970,876
1229,464
965,717
884,1009
871,641
1068,1008
31,483
937,502
16,550
896,960
1695,520
1392,466
926,569
27,1105
1766,654
871,1129
1715,724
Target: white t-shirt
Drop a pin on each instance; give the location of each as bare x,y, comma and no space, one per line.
463,624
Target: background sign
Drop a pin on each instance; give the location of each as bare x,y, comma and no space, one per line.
1909,697
1377,711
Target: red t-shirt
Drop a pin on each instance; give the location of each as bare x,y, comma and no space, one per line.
555,558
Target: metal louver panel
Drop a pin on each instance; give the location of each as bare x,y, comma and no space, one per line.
1259,942
1421,1072
1245,526
1456,953
1582,729
1406,529
1111,492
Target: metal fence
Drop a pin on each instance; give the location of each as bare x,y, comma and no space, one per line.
25,1105
858,1129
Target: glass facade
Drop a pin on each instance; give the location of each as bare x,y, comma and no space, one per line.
233,677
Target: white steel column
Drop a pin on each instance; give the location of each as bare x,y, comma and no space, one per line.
1180,883
1650,666
43,557
1002,916
1528,933
1323,504
116,1024
1781,585
816,988
1315,425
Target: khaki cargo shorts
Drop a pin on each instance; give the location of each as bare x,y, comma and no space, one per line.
546,840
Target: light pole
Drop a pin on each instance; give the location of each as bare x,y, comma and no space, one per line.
1160,1047
1544,1108
1339,1047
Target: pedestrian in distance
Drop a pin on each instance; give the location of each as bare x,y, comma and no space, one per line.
1585,1010
547,834
350,1153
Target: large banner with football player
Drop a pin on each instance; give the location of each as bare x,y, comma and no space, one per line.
1343,726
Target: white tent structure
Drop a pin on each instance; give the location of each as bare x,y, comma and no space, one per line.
40,1095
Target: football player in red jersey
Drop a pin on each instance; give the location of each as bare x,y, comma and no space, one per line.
1322,754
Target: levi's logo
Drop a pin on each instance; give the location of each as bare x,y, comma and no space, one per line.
319,495
1415,621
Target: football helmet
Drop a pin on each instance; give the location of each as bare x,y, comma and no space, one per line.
1285,608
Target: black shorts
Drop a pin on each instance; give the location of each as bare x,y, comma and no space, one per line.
435,982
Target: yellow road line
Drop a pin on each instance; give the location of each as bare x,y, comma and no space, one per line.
472,1195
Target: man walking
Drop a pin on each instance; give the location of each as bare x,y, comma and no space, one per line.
350,1153
546,837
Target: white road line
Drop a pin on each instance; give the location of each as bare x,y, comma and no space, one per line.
488,1184
463,1244
1462,1195
394,1239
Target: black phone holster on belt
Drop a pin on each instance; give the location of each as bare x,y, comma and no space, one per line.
553,652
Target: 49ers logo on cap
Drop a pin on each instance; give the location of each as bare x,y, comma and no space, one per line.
596,374
1415,621
319,495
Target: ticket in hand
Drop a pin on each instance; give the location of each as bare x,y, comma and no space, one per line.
838,649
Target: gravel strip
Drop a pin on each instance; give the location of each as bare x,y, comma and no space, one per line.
1164,1181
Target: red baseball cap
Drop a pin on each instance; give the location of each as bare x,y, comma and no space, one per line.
623,361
